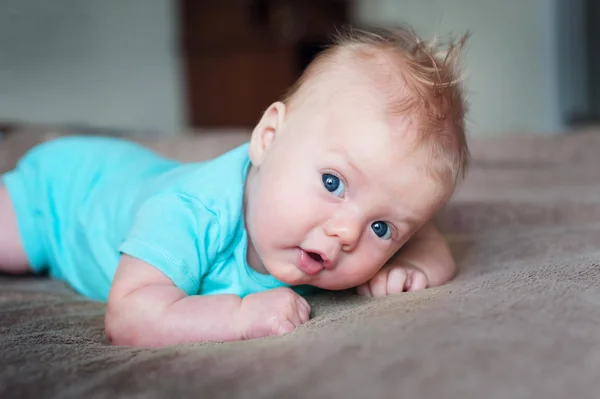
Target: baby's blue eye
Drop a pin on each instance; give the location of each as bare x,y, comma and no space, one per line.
382,230
333,184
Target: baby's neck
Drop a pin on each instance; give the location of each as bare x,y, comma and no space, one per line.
251,255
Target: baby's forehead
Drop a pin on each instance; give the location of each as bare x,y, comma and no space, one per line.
368,75
383,153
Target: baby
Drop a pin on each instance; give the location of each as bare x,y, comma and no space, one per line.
336,189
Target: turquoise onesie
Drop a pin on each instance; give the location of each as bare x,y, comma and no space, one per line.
81,202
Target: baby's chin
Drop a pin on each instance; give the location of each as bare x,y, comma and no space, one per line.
288,275
332,286
291,275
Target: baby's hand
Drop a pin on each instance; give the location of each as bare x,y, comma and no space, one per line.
273,312
424,261
394,279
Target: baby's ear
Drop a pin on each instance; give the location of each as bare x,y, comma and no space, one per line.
266,131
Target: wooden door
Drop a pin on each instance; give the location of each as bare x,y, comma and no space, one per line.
240,56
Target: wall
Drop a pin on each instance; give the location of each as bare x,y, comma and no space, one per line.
511,60
113,63
104,63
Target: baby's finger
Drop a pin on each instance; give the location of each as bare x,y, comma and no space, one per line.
303,310
304,302
285,327
378,284
396,281
416,282
307,310
303,314
294,316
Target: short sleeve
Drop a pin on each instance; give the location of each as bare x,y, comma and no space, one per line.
176,234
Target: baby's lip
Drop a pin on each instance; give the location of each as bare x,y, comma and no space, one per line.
307,263
325,260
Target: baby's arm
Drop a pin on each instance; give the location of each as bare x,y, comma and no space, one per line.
425,261
145,308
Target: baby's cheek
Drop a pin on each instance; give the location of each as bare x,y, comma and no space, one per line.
369,266
275,222
350,277
294,209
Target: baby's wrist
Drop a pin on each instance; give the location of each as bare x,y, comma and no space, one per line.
240,321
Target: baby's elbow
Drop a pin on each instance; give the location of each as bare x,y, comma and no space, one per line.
119,326
114,329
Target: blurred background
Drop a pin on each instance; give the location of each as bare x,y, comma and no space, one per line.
168,66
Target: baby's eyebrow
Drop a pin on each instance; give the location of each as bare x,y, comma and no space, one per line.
398,219
348,159
352,164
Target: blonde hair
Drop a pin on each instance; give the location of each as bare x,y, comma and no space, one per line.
432,93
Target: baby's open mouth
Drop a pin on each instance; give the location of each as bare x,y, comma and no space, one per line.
315,256
311,262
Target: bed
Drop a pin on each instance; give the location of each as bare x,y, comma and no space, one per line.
521,320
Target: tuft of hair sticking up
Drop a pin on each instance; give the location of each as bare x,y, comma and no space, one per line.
432,94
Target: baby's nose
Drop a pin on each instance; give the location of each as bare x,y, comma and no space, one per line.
347,230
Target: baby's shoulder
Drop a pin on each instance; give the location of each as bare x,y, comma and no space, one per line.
217,183
211,189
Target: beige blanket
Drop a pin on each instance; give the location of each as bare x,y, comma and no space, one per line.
522,319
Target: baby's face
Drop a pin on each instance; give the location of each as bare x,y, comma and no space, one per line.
335,196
